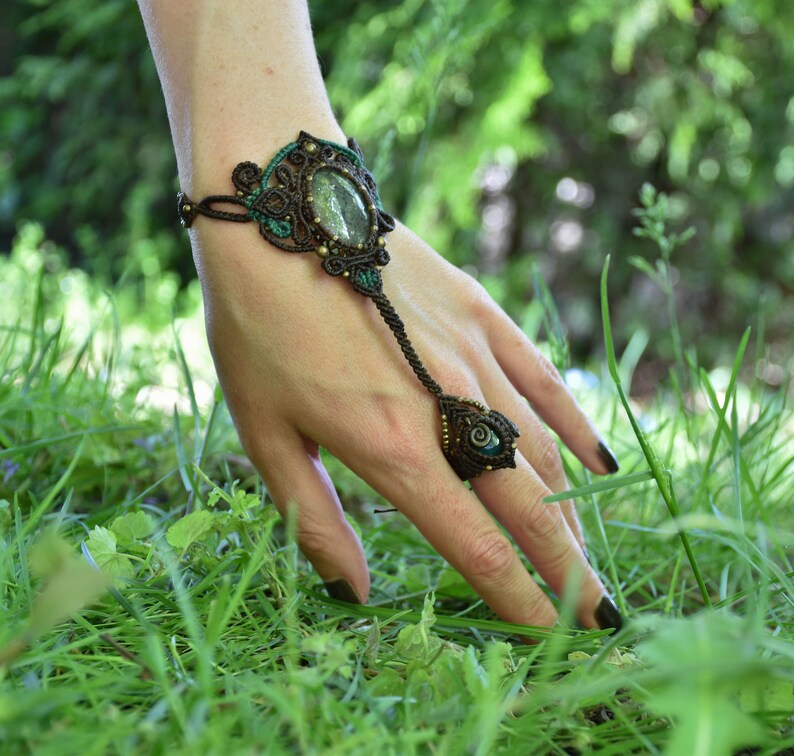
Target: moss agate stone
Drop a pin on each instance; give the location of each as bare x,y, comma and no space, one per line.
340,207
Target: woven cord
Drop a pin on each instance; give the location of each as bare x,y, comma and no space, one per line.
393,320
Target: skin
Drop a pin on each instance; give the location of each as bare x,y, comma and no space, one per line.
305,363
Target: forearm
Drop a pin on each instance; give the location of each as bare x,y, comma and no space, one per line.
240,80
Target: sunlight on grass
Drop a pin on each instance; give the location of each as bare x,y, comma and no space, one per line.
215,633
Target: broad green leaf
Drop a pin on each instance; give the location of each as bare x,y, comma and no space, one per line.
133,526
102,545
417,641
190,529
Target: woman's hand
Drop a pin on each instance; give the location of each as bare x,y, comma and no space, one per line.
306,362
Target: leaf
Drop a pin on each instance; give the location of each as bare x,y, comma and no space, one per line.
69,584
416,641
102,545
133,526
190,528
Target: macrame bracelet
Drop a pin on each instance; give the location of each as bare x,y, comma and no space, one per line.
317,196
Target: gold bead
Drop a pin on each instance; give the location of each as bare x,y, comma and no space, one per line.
378,267
346,274
317,219
489,467
381,241
322,251
359,246
310,147
443,417
514,446
239,193
335,238
310,198
187,208
372,207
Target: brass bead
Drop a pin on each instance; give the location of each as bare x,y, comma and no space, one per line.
378,267
381,242
317,219
443,417
310,147
372,207
187,208
489,467
346,274
240,193
322,251
514,446
359,246
335,238
310,198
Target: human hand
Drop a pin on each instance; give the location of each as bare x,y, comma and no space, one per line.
305,362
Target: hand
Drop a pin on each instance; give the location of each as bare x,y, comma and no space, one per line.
306,362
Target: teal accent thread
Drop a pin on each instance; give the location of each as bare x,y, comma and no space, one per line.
344,150
277,158
282,229
368,278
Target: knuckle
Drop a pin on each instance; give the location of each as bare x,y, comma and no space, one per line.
492,558
314,538
544,522
549,378
548,462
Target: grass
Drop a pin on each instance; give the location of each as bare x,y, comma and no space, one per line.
210,633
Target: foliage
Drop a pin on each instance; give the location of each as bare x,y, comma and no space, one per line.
216,637
506,132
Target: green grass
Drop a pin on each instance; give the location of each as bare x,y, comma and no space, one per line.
214,635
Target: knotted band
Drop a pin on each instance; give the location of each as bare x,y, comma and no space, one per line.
317,196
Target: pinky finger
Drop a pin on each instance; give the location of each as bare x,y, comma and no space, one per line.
298,477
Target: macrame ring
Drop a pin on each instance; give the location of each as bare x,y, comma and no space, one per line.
317,196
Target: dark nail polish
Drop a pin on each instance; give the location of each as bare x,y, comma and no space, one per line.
607,457
607,614
342,591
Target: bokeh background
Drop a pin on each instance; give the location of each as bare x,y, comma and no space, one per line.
514,135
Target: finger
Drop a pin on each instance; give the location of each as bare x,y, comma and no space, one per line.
418,481
535,443
515,498
296,476
539,381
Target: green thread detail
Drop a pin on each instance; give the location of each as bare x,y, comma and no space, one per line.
277,158
282,229
368,278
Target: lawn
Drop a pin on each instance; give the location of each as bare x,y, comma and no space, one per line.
207,632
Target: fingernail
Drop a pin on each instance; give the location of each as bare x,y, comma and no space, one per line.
586,554
342,591
607,457
607,615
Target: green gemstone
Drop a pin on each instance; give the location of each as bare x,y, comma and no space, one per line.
485,440
340,207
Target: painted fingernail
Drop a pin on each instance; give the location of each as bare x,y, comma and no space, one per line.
342,591
607,614
607,457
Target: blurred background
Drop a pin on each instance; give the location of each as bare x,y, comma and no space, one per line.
514,135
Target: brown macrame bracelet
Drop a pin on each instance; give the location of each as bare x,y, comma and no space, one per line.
317,196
